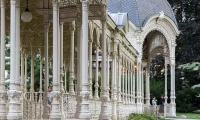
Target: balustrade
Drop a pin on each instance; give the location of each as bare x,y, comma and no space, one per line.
33,106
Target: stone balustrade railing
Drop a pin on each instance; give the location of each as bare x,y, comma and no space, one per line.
33,106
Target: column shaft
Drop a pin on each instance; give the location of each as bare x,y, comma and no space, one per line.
96,96
46,72
123,81
2,64
131,93
166,81
114,86
147,87
61,58
82,111
119,80
90,67
14,92
32,71
22,71
40,72
55,113
25,74
134,90
104,97
126,82
108,75
72,77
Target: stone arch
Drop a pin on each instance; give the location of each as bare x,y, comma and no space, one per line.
165,26
154,39
166,19
157,27
159,49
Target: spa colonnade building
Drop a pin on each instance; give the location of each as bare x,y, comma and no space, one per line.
106,45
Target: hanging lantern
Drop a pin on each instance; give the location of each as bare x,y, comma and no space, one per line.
26,15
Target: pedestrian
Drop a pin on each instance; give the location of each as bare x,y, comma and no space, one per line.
154,103
49,99
161,108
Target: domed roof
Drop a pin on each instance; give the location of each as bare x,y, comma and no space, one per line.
141,10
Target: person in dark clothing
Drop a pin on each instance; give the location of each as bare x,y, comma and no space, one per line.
162,102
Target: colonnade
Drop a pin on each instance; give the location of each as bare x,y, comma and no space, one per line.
127,69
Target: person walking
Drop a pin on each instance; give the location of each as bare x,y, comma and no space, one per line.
161,108
154,103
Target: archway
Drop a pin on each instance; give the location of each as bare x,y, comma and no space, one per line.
154,45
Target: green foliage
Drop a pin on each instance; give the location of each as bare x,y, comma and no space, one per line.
194,66
190,115
157,87
134,116
186,100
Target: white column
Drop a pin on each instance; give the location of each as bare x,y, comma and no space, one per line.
172,94
2,64
79,39
126,82
58,51
139,80
46,74
65,79
25,72
40,71
17,50
123,82
61,57
131,84
139,83
55,113
90,67
134,90
104,98
72,77
142,85
119,79
166,81
82,111
14,92
108,72
61,68
32,70
22,70
165,109
96,96
114,79
147,86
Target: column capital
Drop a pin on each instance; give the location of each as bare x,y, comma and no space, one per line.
98,44
73,26
83,1
61,24
46,26
173,44
2,3
91,40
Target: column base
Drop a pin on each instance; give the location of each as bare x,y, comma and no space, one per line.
104,109
139,107
72,93
14,116
82,107
3,115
